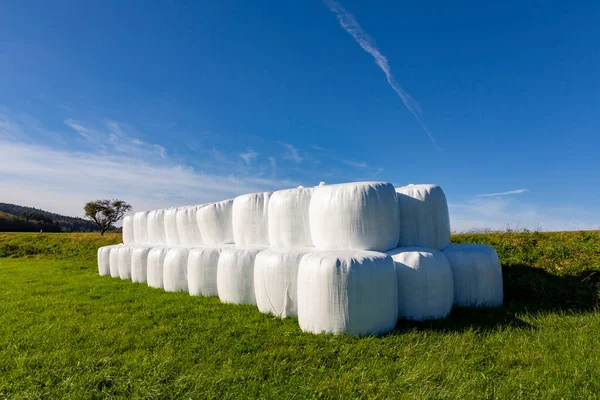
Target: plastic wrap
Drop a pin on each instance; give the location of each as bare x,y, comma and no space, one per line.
175,270
288,220
360,216
171,231
127,230
140,228
425,285
347,291
156,260
214,222
113,260
124,260
424,219
477,275
276,280
235,274
250,219
104,260
187,224
156,228
139,264
202,270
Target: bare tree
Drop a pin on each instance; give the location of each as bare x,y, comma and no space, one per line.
104,213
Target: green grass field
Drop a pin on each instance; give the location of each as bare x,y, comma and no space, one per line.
66,332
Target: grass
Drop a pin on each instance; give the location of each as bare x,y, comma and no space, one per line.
66,332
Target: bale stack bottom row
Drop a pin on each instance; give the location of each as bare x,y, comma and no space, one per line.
349,258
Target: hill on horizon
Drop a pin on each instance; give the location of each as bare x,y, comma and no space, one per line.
15,218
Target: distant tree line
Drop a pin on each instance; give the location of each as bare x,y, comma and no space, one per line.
12,223
15,218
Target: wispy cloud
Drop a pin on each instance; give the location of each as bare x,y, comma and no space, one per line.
120,137
249,156
114,161
62,181
332,155
351,25
499,213
106,158
79,128
291,153
357,164
508,193
13,123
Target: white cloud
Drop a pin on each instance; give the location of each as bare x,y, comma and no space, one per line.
291,153
218,155
249,156
113,160
121,138
508,193
161,150
498,213
351,25
332,155
55,178
62,181
79,128
13,123
358,164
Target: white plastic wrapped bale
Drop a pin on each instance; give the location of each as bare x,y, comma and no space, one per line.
104,260
202,268
187,224
347,291
140,227
424,219
288,220
250,219
124,261
127,230
215,224
477,275
139,264
156,261
113,260
425,285
235,274
175,270
171,231
359,216
276,280
156,227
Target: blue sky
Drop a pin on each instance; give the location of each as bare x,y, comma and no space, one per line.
172,103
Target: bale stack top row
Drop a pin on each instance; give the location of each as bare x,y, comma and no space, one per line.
359,216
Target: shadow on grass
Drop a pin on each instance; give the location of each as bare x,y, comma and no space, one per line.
526,290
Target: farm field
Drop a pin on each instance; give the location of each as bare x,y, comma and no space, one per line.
66,332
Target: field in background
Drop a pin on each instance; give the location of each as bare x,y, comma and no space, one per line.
68,333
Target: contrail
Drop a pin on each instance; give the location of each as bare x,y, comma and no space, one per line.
518,191
351,25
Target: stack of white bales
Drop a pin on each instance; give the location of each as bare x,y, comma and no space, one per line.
216,230
425,260
182,234
276,269
349,286
348,258
235,272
